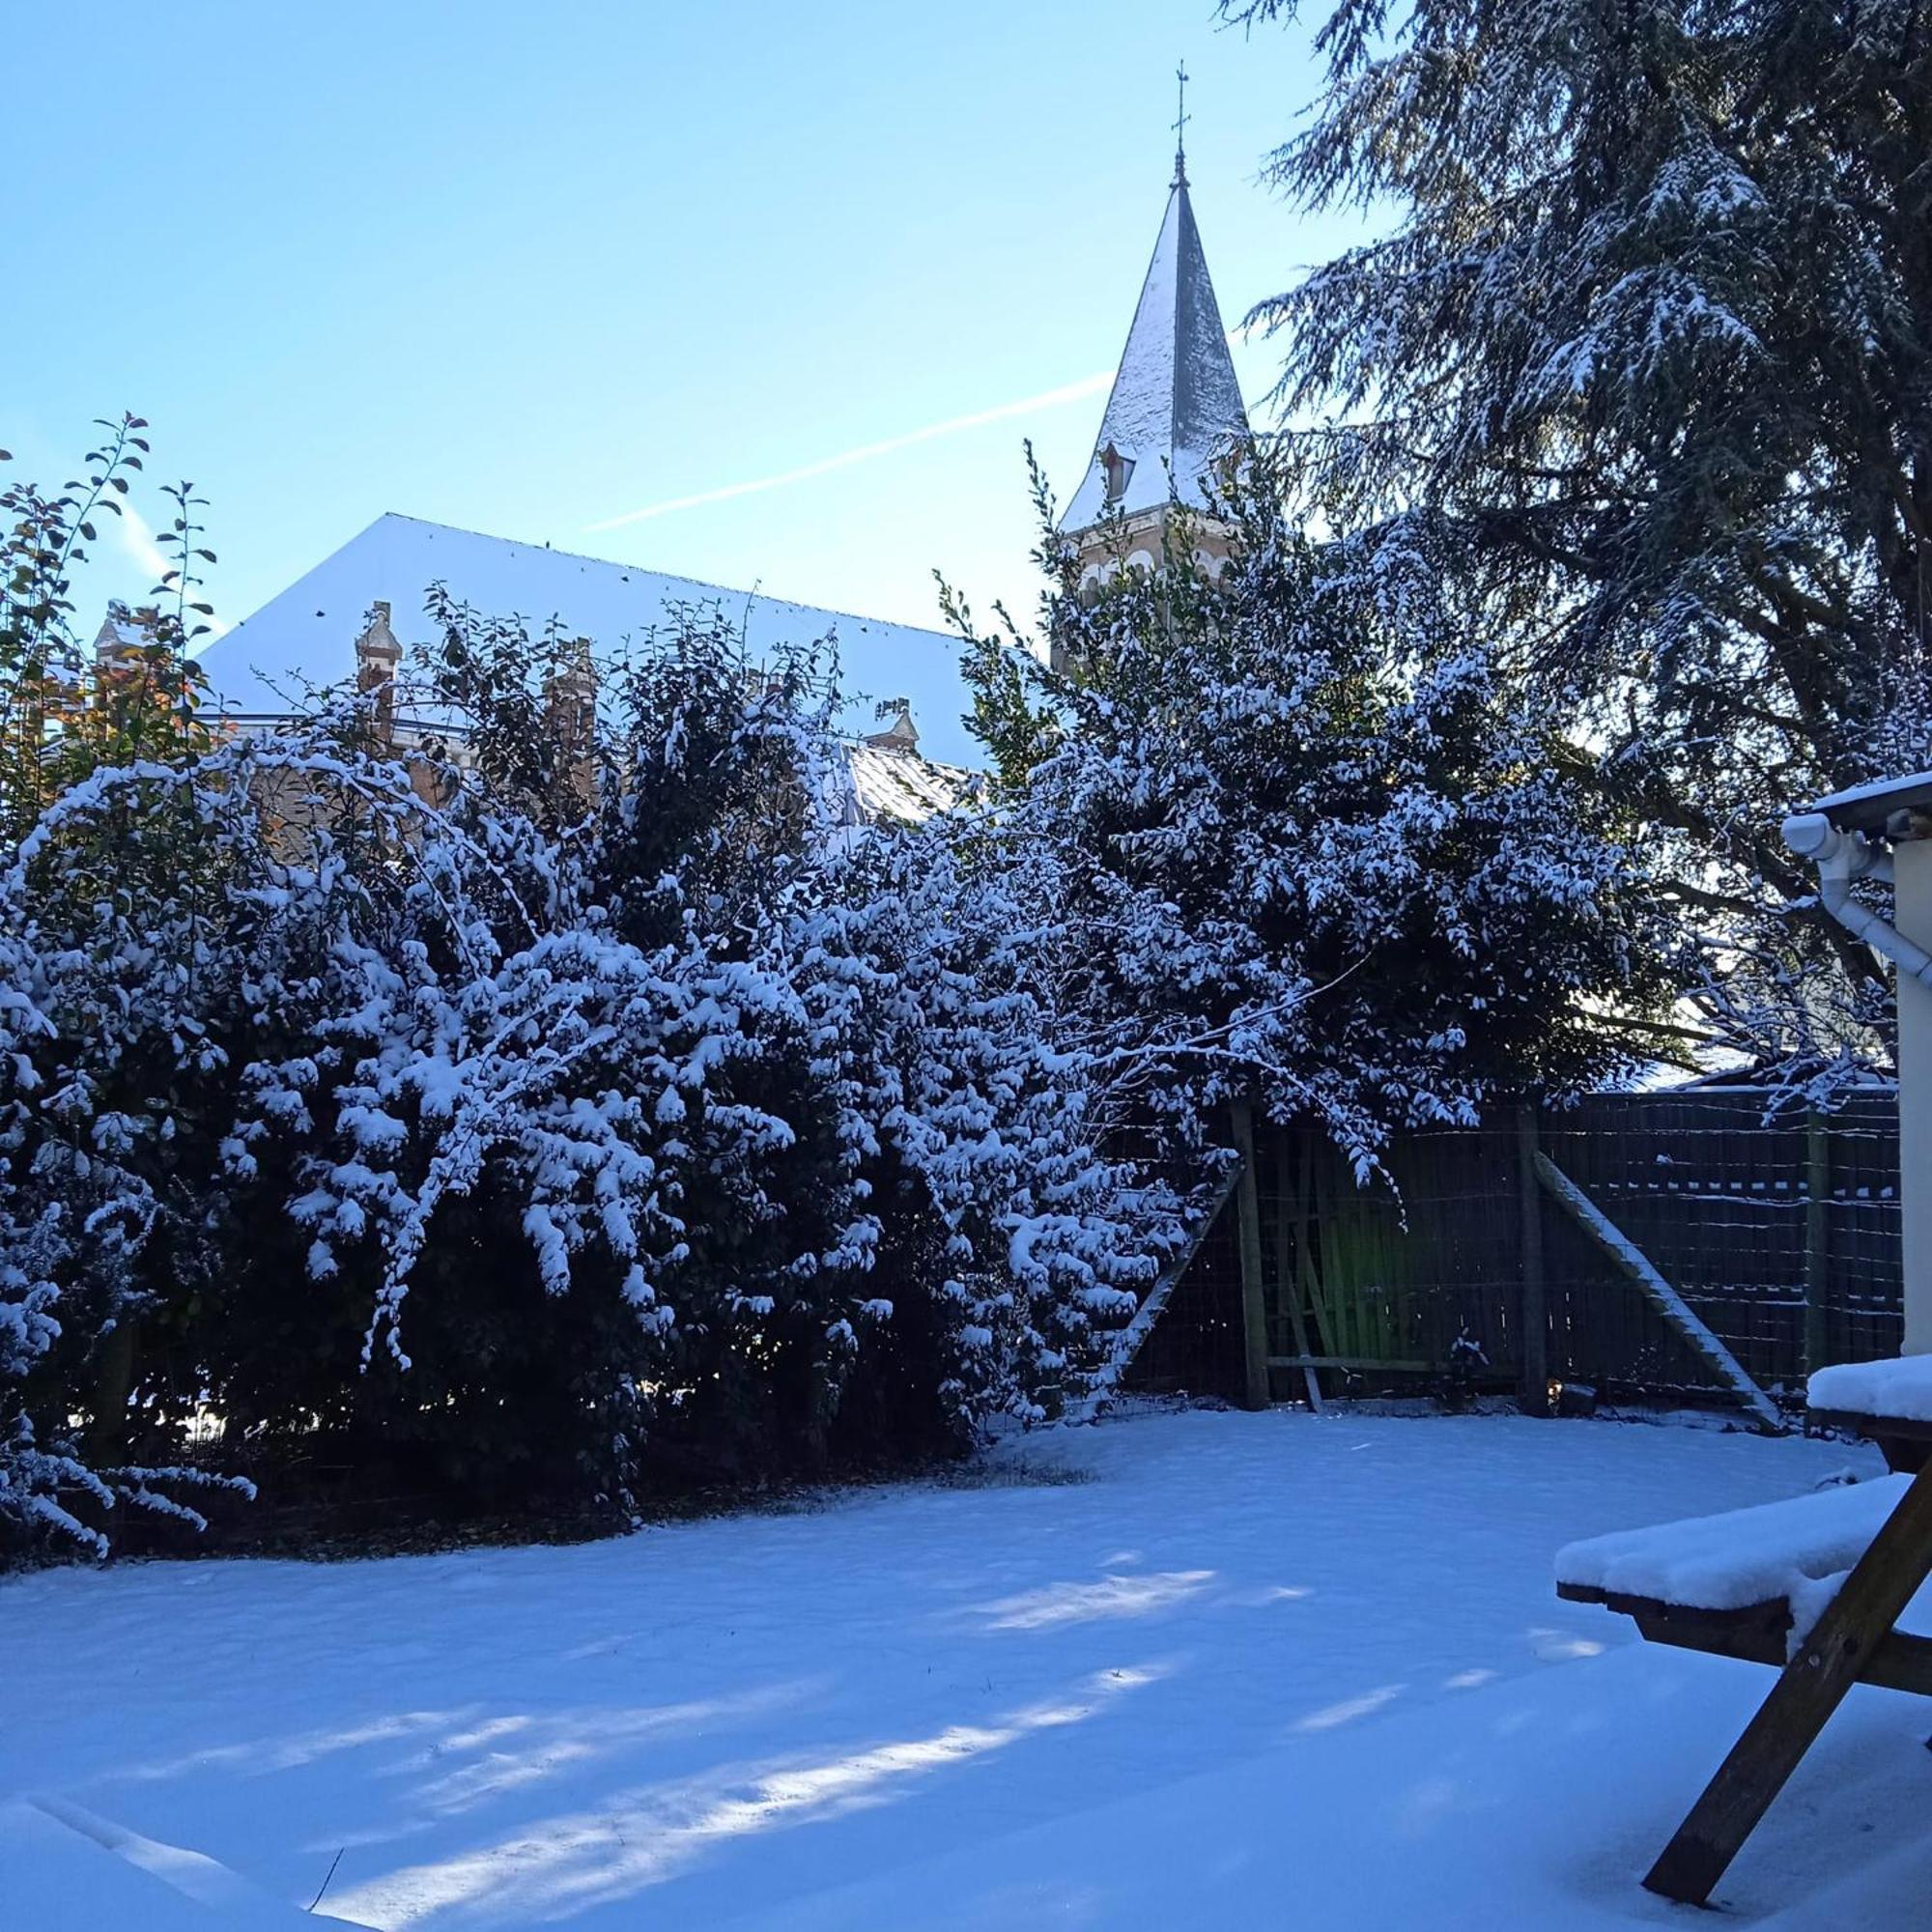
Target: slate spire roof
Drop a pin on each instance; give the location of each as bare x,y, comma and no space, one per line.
1175,403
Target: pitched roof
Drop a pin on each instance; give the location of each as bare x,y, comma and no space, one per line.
1174,400
305,637
894,783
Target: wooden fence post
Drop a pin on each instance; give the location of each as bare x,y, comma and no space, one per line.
1817,1238
1254,1302
1533,1317
1287,1275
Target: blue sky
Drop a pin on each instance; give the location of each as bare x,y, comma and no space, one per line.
531,269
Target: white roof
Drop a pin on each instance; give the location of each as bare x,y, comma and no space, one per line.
1175,403
305,637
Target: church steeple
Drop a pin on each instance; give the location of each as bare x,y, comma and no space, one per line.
1175,405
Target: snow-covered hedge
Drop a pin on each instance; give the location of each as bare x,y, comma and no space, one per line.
500,1126
512,1119
1312,845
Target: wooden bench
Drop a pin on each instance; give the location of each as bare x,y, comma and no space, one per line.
1813,1586
1747,1584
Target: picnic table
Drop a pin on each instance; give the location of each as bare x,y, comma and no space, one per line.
1814,1587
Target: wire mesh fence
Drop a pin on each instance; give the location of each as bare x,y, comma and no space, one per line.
1784,1235
1780,1232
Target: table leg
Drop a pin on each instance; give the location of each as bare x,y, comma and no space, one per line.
1809,1690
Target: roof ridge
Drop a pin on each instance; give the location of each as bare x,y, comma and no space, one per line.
663,576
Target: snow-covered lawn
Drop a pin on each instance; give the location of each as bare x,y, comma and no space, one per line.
1230,1672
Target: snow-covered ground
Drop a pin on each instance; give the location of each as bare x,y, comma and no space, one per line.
1226,1670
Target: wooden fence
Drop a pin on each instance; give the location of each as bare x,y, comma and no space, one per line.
1782,1238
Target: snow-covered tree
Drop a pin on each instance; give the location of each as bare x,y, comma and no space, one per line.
1312,845
1642,356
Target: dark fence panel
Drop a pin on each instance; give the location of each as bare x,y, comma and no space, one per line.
1423,1285
1195,1348
1721,1201
1866,1280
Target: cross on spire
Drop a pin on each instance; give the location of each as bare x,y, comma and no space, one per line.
1180,120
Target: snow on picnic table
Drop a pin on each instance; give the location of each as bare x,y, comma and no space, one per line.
1899,1388
1245,1670
1730,1562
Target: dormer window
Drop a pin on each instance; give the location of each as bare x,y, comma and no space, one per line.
1118,470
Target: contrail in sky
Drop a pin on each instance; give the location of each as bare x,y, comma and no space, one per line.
1069,392
137,540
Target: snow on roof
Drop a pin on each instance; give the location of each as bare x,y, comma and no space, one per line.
1175,401
891,783
123,627
307,635
1865,808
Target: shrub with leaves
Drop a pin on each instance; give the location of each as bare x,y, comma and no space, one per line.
511,1119
1311,843
93,838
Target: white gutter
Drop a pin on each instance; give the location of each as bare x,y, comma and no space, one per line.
1840,858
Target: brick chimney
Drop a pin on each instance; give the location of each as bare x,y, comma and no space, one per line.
378,655
124,636
569,716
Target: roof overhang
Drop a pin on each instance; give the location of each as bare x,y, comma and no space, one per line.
1887,806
